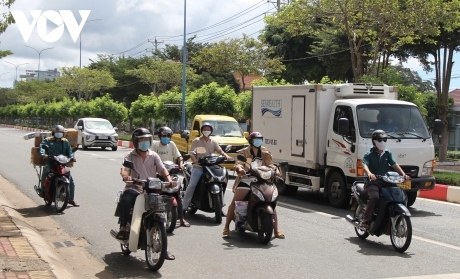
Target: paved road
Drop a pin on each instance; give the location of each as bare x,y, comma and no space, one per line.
318,244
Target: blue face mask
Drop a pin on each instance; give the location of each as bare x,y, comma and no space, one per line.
58,135
165,141
257,142
144,145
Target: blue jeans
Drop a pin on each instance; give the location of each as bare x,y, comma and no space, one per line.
194,179
47,170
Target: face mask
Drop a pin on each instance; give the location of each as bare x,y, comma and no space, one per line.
144,145
380,145
388,121
165,141
58,135
257,142
206,133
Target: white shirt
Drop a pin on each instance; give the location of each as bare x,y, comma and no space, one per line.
166,152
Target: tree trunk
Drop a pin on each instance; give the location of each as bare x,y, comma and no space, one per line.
443,144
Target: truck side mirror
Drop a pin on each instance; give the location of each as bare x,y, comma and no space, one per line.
246,135
344,126
194,133
437,129
185,134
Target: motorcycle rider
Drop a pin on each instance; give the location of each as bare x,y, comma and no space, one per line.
57,145
256,152
377,161
167,150
211,147
148,164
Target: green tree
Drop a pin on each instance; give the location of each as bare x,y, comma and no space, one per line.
144,108
85,82
105,107
244,56
211,99
174,97
6,19
36,91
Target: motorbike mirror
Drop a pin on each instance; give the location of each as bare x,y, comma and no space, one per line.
241,158
74,149
186,157
128,164
174,171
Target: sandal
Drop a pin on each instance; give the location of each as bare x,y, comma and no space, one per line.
185,224
169,256
122,235
226,233
279,235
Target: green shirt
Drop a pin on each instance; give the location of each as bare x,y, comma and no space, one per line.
56,148
379,164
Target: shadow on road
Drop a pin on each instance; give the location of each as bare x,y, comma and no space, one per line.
127,267
422,213
39,211
371,247
245,240
199,219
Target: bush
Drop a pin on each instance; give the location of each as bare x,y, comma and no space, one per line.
447,178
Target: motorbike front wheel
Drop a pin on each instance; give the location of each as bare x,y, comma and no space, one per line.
155,253
217,207
265,227
61,196
401,233
171,219
359,212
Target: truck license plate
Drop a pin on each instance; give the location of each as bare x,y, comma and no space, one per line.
406,185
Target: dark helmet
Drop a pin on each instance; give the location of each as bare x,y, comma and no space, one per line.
206,124
255,135
379,134
165,131
57,128
140,133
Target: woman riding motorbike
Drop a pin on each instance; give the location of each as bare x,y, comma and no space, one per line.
257,152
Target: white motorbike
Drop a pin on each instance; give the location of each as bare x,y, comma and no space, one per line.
147,231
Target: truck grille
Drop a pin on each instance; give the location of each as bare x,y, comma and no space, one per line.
408,170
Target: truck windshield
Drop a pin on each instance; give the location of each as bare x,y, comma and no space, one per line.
399,121
226,129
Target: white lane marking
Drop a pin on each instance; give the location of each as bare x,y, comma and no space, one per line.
436,242
441,202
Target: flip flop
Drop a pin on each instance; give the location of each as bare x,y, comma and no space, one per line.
279,235
169,256
185,224
225,233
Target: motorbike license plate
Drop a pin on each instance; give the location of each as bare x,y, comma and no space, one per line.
406,185
103,137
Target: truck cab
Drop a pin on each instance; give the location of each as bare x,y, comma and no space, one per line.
226,132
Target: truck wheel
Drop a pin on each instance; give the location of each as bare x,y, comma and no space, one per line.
285,189
83,146
411,197
337,190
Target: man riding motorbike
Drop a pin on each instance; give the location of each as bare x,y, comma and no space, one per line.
149,164
377,161
211,146
167,150
256,152
57,145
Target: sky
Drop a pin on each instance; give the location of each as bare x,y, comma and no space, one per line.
130,27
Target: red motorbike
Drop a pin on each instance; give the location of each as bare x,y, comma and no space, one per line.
56,183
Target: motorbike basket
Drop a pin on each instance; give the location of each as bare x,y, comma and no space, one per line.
158,203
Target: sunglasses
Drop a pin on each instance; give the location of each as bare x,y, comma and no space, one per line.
382,139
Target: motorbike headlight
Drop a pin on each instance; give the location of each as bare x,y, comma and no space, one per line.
275,195
427,169
171,189
154,183
265,174
394,179
256,192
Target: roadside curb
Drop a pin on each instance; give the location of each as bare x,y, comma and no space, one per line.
23,251
124,143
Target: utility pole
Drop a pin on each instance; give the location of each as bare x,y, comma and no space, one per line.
155,43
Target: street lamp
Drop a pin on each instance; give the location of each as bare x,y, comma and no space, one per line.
39,52
184,61
3,74
16,66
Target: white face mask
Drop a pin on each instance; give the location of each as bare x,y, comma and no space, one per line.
380,145
206,133
58,135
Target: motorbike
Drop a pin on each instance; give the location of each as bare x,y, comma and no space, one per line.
261,201
390,217
56,183
209,193
147,231
174,192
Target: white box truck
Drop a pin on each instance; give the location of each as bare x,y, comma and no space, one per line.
323,132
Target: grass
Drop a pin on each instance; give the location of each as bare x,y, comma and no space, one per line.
124,137
447,178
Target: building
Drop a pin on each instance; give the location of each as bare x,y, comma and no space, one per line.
247,80
44,75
